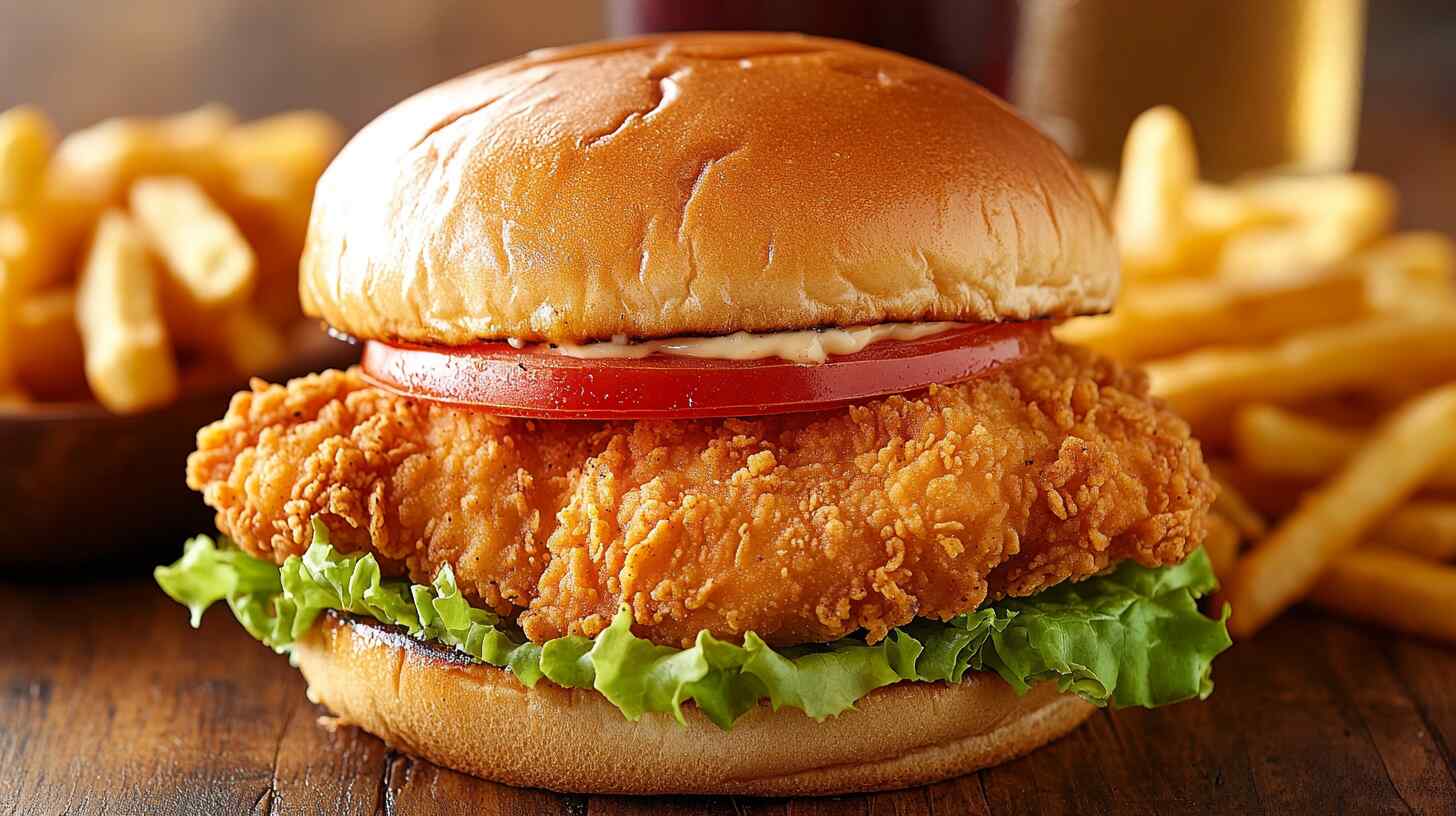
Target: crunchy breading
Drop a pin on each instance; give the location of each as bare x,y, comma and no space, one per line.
802,528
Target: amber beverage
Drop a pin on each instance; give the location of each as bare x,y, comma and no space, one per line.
1266,83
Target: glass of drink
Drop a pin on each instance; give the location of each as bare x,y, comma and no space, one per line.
1266,83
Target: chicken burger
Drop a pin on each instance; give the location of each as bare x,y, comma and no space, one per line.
710,435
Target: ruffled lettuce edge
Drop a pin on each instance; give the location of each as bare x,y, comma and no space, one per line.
1130,637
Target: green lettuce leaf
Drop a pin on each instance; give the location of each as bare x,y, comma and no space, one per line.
1130,637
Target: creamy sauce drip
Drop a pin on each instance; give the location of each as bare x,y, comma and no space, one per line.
808,346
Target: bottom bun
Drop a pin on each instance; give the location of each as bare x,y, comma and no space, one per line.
431,701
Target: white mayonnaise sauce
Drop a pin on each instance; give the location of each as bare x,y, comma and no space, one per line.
809,346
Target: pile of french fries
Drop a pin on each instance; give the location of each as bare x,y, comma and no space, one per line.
1313,350
141,256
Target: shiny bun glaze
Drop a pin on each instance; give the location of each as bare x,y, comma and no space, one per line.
699,184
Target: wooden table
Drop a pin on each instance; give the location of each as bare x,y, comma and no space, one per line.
110,704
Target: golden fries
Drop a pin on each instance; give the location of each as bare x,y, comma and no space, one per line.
209,263
28,259
97,165
1412,273
1205,386
1327,218
1285,322
271,158
1394,589
129,362
1280,443
1424,528
270,168
204,263
1408,273
1160,319
26,140
7,340
1159,168
1216,213
1277,442
1391,465
1222,545
51,362
250,343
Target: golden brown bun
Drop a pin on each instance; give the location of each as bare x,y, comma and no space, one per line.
699,184
482,721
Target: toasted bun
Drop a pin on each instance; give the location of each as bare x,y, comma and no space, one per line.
481,720
699,184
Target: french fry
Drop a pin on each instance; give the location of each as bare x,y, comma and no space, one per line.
1390,588
225,207
1362,204
206,257
94,167
1159,168
275,231
273,165
50,364
1280,443
1332,519
7,330
250,344
1329,218
1424,528
1212,216
280,156
1406,273
1219,212
1160,319
26,140
28,255
1232,505
129,363
1412,272
1206,386
26,261
1222,545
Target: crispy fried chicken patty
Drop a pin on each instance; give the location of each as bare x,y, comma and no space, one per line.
802,528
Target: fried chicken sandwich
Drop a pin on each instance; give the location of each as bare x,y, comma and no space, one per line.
709,434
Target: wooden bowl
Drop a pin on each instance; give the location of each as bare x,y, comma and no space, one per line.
94,491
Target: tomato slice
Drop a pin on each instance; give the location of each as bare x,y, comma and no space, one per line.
500,379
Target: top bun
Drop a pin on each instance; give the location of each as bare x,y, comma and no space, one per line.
699,184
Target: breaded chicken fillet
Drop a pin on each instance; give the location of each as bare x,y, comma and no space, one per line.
801,528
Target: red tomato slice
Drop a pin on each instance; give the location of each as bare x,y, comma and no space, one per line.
500,379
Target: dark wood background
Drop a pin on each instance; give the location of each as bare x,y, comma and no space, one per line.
110,704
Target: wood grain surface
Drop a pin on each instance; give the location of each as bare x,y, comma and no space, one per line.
111,704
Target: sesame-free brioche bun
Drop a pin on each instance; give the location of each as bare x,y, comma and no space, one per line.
694,184
432,702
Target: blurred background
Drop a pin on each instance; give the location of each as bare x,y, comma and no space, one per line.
1060,59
